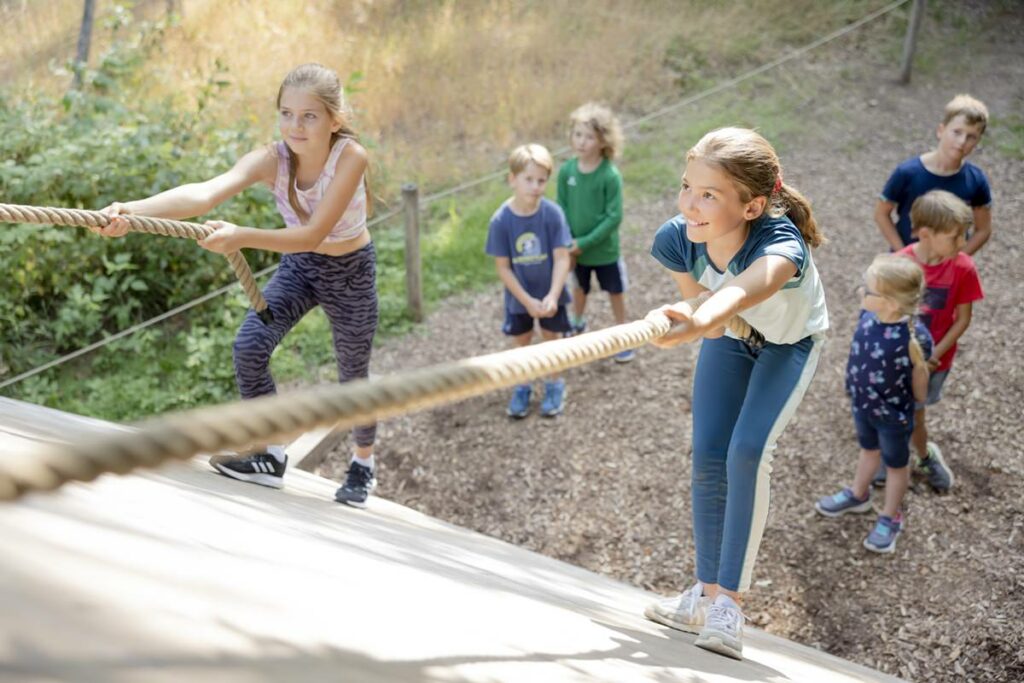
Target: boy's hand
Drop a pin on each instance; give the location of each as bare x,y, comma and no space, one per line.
574,250
117,227
933,364
549,305
535,308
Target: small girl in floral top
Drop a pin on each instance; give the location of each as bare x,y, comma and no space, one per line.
886,373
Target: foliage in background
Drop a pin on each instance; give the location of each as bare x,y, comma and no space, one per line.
154,114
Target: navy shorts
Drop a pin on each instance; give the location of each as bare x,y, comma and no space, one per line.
611,277
521,323
935,382
892,438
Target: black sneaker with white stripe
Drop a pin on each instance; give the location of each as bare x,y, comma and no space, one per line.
359,484
259,468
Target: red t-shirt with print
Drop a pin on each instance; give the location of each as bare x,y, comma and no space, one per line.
949,284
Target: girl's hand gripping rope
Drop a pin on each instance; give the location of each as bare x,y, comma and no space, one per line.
117,227
225,238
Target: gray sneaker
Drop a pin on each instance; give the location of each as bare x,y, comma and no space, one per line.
684,612
841,503
935,468
723,629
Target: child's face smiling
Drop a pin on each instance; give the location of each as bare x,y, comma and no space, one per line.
711,204
585,142
305,123
957,139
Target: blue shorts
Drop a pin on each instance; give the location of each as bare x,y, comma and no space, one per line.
935,382
890,437
611,276
521,323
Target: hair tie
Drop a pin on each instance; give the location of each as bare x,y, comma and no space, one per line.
778,183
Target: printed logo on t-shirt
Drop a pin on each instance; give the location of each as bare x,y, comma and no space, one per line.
572,181
528,250
936,298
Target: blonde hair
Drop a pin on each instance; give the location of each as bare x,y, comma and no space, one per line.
972,109
901,280
751,162
605,125
941,211
323,84
523,155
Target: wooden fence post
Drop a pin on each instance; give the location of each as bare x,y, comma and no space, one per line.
910,41
413,274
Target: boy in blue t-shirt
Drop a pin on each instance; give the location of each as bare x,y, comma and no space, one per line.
529,239
943,168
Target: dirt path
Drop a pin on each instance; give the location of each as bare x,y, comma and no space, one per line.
606,486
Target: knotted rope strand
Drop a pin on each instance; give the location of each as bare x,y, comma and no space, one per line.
15,213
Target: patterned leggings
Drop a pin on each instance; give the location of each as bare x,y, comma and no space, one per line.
345,287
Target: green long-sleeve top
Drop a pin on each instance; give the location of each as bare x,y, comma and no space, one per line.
592,203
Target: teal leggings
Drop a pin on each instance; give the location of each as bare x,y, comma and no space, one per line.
742,400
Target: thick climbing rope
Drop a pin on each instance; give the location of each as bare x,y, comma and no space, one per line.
242,424
15,213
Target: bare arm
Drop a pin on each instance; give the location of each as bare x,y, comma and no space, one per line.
919,382
960,325
350,169
194,199
883,217
560,273
982,229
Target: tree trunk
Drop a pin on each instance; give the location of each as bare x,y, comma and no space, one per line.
84,39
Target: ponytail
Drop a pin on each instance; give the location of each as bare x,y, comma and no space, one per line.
798,209
914,346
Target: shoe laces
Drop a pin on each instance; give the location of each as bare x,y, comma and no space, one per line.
724,617
358,476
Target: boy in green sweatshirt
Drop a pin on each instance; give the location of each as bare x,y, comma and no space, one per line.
590,194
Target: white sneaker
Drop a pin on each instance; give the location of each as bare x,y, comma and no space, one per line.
723,628
684,612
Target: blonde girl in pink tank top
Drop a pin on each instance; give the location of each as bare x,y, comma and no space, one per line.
316,173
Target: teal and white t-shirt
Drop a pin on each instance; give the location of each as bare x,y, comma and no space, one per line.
794,312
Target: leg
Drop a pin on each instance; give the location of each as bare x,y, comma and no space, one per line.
555,327
867,465
583,275
290,297
346,289
777,385
722,374
920,436
618,302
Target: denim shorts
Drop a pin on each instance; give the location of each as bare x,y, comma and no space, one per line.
889,436
935,382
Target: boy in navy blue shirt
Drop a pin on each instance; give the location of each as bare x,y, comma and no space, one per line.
529,239
943,168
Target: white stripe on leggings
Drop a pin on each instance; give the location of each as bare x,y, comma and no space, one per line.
762,489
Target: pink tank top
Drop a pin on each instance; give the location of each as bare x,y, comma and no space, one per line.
351,223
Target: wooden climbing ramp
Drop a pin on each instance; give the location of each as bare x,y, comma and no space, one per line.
179,574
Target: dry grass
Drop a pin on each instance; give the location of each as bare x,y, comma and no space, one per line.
448,87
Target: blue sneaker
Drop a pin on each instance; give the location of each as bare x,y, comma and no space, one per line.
878,480
578,326
882,538
841,503
625,356
554,398
519,406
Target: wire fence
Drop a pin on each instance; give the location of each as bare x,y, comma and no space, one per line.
476,182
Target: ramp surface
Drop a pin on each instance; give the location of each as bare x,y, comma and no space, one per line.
183,575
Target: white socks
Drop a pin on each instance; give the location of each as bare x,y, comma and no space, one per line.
277,452
365,462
